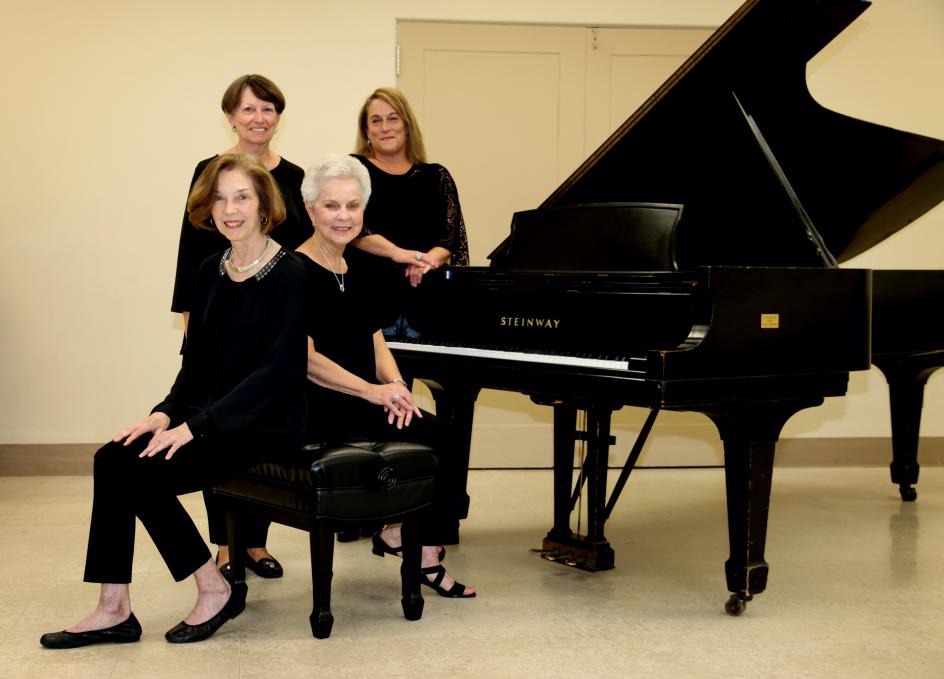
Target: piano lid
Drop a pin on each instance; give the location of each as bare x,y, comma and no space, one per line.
766,175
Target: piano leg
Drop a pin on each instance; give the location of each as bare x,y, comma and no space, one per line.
455,406
565,425
598,448
592,551
906,377
750,436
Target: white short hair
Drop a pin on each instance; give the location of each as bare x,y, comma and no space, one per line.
330,167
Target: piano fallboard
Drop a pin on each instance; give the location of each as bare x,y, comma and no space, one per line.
716,322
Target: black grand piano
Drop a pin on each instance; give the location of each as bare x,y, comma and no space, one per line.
691,264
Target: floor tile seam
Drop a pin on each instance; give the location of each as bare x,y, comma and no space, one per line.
6,636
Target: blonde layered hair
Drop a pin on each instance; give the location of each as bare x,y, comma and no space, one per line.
415,150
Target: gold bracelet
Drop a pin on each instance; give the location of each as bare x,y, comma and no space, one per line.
399,380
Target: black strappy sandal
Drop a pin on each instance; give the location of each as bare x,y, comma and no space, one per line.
457,591
380,548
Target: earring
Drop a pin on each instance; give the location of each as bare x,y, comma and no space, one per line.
210,222
265,220
234,128
368,142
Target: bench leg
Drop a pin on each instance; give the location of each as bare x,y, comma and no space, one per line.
321,539
410,575
238,577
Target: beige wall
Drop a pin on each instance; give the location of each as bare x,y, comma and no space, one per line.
109,105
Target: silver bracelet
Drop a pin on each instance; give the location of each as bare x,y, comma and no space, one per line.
399,380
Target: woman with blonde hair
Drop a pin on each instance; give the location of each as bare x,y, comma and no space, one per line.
414,220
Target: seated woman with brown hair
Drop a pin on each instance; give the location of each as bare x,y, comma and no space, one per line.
239,395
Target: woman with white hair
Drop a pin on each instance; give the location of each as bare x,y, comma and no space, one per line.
355,387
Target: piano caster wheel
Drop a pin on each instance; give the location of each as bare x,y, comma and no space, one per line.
735,605
908,493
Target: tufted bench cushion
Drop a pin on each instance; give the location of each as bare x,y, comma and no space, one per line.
355,481
322,488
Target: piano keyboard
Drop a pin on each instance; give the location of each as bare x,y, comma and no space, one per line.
527,357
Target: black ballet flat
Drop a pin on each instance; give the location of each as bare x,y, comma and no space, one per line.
123,633
380,547
457,591
266,567
182,633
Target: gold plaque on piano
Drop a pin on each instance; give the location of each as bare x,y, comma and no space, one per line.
770,321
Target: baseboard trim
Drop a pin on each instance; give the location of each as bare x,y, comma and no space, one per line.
47,459
75,459
852,452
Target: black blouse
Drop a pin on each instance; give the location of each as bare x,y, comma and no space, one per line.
342,327
417,210
245,357
198,244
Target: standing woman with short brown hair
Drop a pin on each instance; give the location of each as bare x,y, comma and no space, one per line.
253,105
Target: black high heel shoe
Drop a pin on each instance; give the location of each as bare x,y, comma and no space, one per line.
183,633
380,547
457,591
123,633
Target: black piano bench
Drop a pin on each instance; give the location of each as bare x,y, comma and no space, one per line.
324,489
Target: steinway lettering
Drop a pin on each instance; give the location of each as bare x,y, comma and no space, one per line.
527,322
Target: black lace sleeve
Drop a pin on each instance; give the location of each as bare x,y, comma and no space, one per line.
454,237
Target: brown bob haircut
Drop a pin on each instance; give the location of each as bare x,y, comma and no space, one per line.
260,86
415,150
203,193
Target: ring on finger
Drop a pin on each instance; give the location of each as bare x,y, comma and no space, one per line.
395,398
418,257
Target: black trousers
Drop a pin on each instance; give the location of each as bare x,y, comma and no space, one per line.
127,486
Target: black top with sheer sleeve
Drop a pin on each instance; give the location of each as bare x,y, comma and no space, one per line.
198,244
417,210
244,361
342,327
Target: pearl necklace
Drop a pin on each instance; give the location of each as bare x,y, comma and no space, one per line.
244,269
340,262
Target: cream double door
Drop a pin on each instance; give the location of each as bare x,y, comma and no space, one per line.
512,110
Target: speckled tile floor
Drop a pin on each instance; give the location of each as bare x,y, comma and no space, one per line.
855,590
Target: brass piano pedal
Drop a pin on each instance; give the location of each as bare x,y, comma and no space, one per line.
561,557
